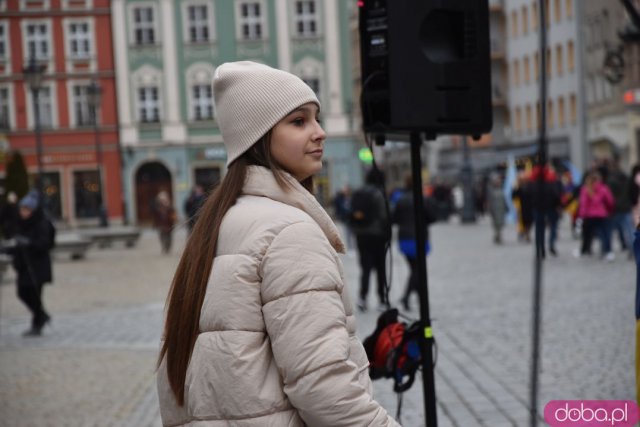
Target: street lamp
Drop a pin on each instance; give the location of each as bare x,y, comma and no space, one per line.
94,97
33,74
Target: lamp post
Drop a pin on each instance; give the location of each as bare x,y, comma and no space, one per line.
33,74
94,97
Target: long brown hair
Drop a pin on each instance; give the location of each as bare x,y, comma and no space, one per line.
189,284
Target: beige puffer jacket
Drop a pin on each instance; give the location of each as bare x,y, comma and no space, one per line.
277,344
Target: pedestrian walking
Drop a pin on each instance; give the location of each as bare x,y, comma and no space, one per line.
192,205
404,217
523,194
34,238
259,328
497,206
596,204
342,211
370,225
620,222
164,218
547,206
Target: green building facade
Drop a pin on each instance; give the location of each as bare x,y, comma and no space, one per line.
166,53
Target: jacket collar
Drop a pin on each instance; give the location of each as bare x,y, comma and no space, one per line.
260,181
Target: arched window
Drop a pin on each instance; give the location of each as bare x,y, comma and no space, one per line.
200,91
550,114
147,93
525,20
557,10
536,65
518,123
569,8
526,66
516,72
529,118
514,23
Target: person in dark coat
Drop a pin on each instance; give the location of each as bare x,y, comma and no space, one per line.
404,217
164,218
370,224
31,259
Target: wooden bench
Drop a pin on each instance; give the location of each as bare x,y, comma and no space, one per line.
73,244
104,237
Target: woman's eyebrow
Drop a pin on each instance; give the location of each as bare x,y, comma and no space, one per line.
308,110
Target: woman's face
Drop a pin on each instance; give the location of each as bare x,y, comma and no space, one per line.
297,142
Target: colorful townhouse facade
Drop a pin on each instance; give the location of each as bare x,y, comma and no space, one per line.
69,41
166,56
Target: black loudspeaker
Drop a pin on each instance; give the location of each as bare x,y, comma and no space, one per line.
426,66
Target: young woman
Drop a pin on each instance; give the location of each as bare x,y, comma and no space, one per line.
259,326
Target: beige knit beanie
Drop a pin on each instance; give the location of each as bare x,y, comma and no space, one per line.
250,98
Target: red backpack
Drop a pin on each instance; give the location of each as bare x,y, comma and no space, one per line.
394,350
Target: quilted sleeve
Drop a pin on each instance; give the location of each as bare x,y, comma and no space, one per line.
306,322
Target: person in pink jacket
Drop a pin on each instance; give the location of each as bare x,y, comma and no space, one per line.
596,204
259,327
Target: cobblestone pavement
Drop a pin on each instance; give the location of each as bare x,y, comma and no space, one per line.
95,365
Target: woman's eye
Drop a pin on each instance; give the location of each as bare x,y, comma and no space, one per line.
298,122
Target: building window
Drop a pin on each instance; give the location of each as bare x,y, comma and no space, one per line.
251,21
5,123
536,65
538,115
79,40
148,104
561,118
516,72
559,60
558,10
518,123
86,186
198,23
305,18
525,20
550,117
37,38
526,66
534,16
514,23
549,67
202,102
143,25
4,43
573,112
547,13
570,57
45,107
569,8
529,118
81,109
